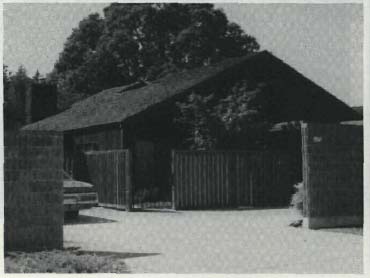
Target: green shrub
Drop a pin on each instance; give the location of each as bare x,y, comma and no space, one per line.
58,261
298,197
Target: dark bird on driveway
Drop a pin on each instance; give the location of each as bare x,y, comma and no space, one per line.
297,223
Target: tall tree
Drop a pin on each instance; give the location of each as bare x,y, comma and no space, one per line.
15,87
144,41
37,76
6,78
6,86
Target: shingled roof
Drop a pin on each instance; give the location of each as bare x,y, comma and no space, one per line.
115,105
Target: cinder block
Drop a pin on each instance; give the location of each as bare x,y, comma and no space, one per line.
40,140
45,186
333,221
51,197
43,174
334,157
10,138
11,175
33,198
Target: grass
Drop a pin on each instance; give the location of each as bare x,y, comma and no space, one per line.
62,261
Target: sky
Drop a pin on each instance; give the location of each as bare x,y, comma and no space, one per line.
321,41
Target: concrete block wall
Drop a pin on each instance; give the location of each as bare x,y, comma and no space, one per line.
33,190
333,175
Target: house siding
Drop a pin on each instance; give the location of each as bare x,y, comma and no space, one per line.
75,143
104,139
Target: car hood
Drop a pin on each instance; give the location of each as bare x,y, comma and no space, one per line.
73,186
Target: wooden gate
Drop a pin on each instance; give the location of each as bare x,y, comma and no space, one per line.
218,179
151,175
110,173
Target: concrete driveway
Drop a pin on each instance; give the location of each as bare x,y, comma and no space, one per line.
233,241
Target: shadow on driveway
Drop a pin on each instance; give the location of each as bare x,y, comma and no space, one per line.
84,219
115,255
154,210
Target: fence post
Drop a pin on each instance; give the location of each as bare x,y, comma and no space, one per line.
172,180
232,156
251,181
305,169
128,170
116,174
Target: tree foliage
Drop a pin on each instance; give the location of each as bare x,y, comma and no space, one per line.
15,87
144,41
36,78
197,118
6,78
236,120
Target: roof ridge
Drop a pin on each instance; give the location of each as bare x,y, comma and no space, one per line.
113,90
117,104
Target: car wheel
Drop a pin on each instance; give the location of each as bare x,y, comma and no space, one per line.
71,214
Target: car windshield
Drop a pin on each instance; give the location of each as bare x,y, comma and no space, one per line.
66,176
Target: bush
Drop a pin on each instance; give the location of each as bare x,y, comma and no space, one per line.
298,197
58,261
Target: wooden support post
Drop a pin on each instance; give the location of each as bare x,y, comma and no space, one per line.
128,171
251,181
117,183
172,180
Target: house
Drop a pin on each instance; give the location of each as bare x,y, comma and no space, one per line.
140,117
359,110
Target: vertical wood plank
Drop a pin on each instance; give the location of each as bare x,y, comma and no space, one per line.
205,179
173,188
128,180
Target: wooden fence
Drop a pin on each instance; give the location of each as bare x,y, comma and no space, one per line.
110,172
220,179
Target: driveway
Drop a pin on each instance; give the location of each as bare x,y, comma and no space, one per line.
230,241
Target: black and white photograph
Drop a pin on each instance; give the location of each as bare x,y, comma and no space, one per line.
184,137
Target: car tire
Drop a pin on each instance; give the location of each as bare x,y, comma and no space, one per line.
71,214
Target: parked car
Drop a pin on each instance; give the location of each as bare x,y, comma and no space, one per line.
77,195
